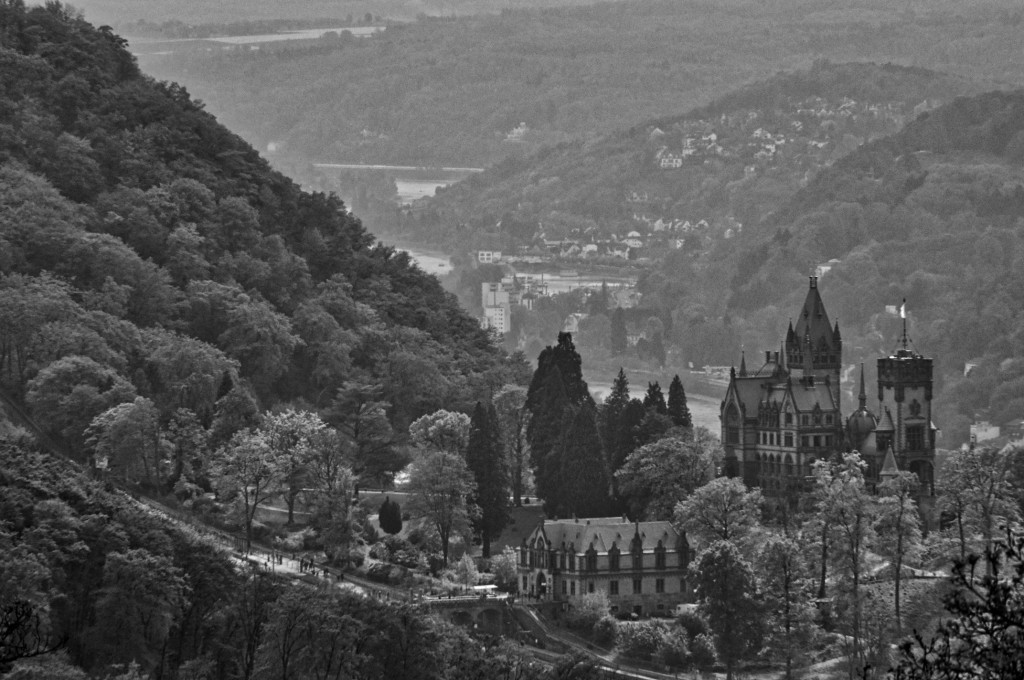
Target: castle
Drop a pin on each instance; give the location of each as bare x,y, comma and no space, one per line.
779,419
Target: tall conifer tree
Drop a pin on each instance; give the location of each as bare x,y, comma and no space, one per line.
655,399
678,411
611,415
562,409
485,460
586,482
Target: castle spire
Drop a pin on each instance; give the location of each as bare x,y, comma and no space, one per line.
743,364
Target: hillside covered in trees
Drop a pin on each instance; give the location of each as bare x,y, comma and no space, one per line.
148,253
727,164
566,73
934,214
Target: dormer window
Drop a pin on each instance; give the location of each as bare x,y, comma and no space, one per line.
637,551
613,559
591,558
659,556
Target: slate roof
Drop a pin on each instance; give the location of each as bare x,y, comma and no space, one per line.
885,422
805,396
605,532
889,467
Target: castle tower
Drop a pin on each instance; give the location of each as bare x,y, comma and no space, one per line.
814,347
905,392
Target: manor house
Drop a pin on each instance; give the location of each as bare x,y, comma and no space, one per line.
640,566
781,417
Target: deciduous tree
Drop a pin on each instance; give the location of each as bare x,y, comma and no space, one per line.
727,597
249,469
898,528
439,484
721,510
656,476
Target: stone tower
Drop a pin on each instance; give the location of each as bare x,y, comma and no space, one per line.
905,394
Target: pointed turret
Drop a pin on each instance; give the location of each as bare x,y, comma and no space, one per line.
889,467
743,365
836,337
790,335
813,320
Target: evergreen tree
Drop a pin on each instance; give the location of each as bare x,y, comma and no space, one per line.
654,399
678,411
585,480
618,332
390,516
485,460
629,435
546,431
611,417
557,391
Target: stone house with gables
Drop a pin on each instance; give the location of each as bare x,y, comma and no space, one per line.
640,566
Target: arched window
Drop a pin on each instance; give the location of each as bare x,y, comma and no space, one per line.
732,425
591,557
613,558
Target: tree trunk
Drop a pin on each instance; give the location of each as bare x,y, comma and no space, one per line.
486,550
824,562
963,540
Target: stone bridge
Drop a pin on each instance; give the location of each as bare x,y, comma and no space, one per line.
491,615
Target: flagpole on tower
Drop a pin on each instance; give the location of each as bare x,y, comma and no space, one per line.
903,315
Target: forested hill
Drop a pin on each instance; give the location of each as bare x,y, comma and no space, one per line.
934,214
738,158
146,251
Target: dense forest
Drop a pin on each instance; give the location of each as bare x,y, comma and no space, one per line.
93,584
147,252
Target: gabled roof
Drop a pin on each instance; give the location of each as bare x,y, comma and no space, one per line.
806,396
605,532
748,393
885,422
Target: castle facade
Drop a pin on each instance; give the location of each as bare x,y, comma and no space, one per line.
781,417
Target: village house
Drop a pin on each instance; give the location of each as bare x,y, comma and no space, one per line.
640,566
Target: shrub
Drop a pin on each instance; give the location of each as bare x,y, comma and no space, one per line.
640,639
673,650
589,610
504,567
606,631
702,651
693,624
466,572
379,551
